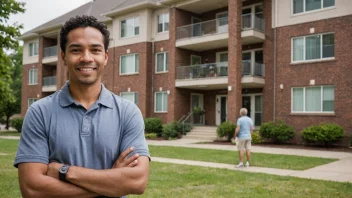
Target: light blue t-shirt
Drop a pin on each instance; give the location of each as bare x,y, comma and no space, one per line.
245,123
57,128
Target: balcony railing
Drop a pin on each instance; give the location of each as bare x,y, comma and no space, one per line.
250,21
49,81
50,51
215,26
259,69
202,71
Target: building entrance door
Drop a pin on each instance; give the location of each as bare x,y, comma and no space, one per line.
221,109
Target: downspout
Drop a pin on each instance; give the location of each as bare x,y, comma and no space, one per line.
152,74
275,24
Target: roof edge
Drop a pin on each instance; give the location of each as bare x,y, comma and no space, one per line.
144,4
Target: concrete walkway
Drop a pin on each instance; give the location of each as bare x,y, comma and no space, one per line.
339,171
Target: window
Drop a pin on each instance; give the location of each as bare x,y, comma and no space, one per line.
131,96
33,49
162,60
316,47
300,6
160,102
130,27
33,77
31,101
129,64
163,22
313,99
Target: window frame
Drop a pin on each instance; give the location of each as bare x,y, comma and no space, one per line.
134,59
304,48
304,100
30,103
134,96
32,81
311,11
155,101
165,62
163,23
134,27
33,49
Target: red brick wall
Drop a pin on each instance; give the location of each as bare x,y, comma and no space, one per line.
337,72
29,91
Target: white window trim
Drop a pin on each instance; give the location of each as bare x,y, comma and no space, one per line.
157,23
155,111
30,76
134,26
126,74
252,14
134,96
252,51
29,99
312,11
196,56
304,49
156,63
304,101
218,55
29,47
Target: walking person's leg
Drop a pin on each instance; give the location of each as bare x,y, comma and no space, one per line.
240,147
248,151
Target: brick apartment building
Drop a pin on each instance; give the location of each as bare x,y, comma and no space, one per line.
281,59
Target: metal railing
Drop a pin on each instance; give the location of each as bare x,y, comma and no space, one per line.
214,26
49,81
202,71
50,51
250,21
259,69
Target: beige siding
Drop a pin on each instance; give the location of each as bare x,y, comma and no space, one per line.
26,58
163,35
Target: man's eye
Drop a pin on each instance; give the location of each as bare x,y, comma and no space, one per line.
75,50
96,50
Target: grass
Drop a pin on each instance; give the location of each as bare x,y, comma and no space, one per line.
10,133
231,157
174,181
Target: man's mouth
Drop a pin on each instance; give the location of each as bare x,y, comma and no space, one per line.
86,69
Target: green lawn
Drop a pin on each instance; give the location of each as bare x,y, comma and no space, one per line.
174,181
231,157
10,133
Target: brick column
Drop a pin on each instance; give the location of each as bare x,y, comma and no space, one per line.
235,60
61,69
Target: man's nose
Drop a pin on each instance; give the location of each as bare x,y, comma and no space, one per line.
86,56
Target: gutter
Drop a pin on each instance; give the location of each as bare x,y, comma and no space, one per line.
275,49
130,8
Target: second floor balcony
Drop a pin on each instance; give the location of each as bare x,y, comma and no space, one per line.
50,55
49,84
215,76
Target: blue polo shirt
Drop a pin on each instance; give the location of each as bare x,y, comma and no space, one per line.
56,128
246,124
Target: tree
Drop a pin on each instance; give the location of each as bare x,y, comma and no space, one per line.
8,35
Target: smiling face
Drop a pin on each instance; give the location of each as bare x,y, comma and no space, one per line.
85,56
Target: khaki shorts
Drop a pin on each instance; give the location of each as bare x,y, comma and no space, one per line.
243,144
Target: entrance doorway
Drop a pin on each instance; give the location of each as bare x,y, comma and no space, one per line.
197,107
254,104
221,109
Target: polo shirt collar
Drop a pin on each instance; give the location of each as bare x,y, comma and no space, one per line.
105,97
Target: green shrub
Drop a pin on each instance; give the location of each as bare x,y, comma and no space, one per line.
153,125
169,131
226,129
324,133
185,128
151,136
278,131
17,124
256,139
350,141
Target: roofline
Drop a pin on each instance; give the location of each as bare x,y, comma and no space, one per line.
144,4
30,35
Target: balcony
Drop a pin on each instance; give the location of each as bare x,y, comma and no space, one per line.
50,55
205,76
252,29
49,84
252,75
213,76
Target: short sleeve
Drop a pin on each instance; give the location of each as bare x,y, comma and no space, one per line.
133,132
33,146
239,122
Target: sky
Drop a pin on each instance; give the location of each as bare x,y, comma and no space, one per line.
41,11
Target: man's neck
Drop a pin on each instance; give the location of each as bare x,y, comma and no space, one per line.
86,95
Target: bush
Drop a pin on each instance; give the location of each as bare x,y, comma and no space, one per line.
150,136
17,124
256,139
153,125
169,131
324,133
278,131
226,129
185,128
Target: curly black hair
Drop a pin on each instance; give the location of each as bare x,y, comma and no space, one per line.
83,21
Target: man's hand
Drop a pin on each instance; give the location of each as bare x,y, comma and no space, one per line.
123,161
53,170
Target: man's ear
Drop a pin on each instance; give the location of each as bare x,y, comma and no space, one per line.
106,57
63,57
